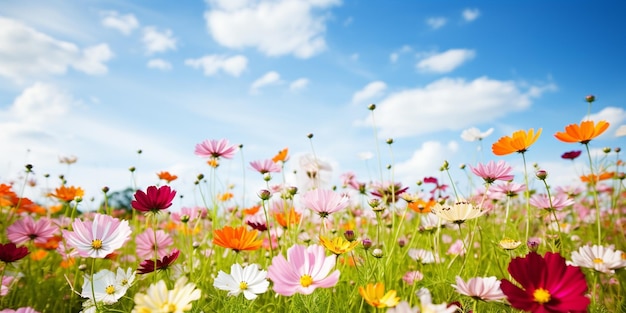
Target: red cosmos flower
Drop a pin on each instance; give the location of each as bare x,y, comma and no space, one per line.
10,252
571,155
154,200
548,285
148,266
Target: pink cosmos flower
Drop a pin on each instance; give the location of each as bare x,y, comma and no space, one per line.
154,199
483,288
266,166
146,243
5,285
493,171
189,214
216,149
325,202
304,269
509,189
558,202
411,277
20,310
97,238
27,229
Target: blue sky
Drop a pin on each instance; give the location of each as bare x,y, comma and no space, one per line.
102,79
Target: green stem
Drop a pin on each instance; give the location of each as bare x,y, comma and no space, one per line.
527,196
593,182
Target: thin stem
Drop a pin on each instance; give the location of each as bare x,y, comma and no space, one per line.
593,182
527,196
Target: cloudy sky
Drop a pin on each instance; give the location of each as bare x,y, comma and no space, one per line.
100,80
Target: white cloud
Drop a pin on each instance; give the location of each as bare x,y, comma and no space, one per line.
615,117
270,78
370,91
211,64
445,62
28,53
275,28
436,22
299,84
425,161
394,56
156,41
470,15
448,104
123,23
159,64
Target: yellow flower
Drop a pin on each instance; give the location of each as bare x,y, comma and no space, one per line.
518,142
338,245
374,295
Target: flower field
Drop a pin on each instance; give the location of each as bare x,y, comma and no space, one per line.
361,246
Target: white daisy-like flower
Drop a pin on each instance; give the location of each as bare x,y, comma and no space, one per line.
426,303
125,279
105,287
599,258
157,297
458,213
422,256
483,288
248,280
474,134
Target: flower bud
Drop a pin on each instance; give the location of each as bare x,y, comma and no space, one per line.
533,244
265,194
29,168
377,253
371,107
132,169
309,135
590,98
105,189
349,235
541,174
606,149
374,203
617,149
292,190
267,177
462,166
389,141
367,243
200,176
402,242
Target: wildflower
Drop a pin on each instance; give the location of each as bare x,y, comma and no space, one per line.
426,303
338,245
412,277
265,166
105,288
149,266
99,237
510,189
554,203
422,206
68,194
215,149
325,202
125,279
20,310
281,156
26,229
542,288
519,142
509,244
154,200
388,192
248,280
374,295
458,213
147,244
599,258
483,288
474,134
157,297
9,252
421,255
583,133
238,238
166,176
590,178
493,171
304,270
403,307
571,155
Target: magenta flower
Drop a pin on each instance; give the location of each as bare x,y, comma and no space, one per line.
266,166
493,171
97,238
325,202
571,155
145,243
10,252
149,266
26,229
387,191
483,288
547,285
558,202
304,269
154,199
216,149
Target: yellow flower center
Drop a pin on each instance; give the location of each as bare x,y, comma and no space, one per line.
598,261
541,295
243,285
110,289
170,308
96,244
306,280
124,282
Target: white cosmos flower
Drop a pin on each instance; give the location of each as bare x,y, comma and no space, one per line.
125,279
599,258
473,134
426,303
248,280
484,288
105,288
458,213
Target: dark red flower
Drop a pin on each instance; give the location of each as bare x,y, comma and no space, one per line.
10,252
571,155
547,285
147,266
154,200
387,191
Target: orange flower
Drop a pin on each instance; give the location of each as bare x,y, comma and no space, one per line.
583,133
281,156
594,178
26,205
251,210
7,196
224,196
421,206
519,142
285,219
51,244
166,176
238,238
38,255
68,194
